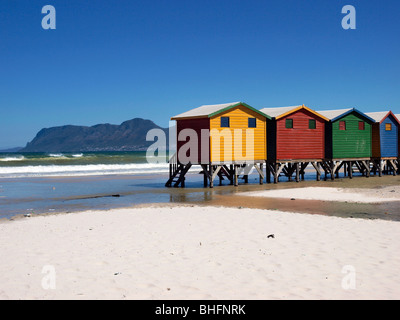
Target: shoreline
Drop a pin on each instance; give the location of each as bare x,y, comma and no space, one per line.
282,196
198,252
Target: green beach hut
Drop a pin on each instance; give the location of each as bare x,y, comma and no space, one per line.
348,134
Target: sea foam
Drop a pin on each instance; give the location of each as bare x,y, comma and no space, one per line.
81,170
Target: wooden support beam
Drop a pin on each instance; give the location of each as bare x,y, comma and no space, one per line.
215,173
225,171
211,173
381,163
275,172
337,170
367,167
205,175
268,172
324,166
394,166
317,168
259,170
303,167
287,170
332,168
232,172
236,183
359,167
350,165
278,172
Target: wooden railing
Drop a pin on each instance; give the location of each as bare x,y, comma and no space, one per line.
173,164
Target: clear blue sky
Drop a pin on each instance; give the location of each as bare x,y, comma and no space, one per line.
110,61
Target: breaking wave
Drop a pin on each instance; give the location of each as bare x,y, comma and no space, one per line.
81,170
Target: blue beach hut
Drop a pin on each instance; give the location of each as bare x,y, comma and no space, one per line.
385,134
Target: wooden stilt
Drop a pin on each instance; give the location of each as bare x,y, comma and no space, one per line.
205,177
275,173
211,176
302,170
232,172
350,170
236,183
317,168
268,172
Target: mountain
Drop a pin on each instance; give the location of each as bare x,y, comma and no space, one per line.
128,136
16,149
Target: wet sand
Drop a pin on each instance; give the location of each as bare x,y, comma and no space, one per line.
74,194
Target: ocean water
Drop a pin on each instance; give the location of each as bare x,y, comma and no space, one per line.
24,165
38,183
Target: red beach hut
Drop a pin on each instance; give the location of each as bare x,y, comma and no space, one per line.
295,133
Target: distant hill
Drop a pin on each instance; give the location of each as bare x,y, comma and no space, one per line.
128,136
16,149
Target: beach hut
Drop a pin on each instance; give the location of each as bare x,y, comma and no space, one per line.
348,134
295,133
384,134
348,140
220,138
295,137
398,137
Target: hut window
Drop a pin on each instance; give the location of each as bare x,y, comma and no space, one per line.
361,125
224,122
252,123
289,123
388,126
342,125
312,124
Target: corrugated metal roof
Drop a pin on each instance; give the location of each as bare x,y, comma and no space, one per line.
377,116
380,116
205,110
280,112
212,110
332,114
276,112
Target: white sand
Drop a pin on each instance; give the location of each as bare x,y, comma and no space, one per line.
199,253
358,195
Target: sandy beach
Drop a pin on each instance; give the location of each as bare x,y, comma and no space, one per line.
354,195
199,252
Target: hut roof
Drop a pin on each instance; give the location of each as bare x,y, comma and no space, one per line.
334,115
382,115
280,112
212,110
